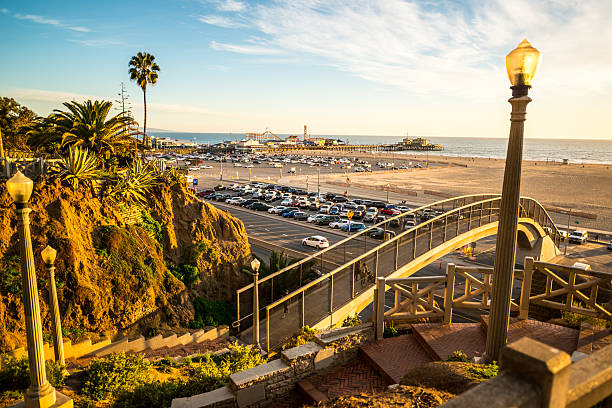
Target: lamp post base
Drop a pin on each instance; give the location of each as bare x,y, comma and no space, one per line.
60,401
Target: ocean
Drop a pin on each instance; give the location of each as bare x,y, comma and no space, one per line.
576,151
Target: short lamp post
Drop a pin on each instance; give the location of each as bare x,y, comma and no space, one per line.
521,65
255,267
48,256
40,394
388,187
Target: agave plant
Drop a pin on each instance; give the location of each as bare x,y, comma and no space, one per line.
132,184
77,166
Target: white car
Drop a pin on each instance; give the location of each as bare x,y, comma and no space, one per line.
579,237
316,241
287,201
324,209
338,224
194,168
278,209
314,217
205,166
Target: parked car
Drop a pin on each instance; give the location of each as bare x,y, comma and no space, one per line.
324,209
579,237
288,213
379,233
338,224
354,226
389,209
610,245
369,218
300,216
316,241
378,204
313,218
327,219
334,211
259,206
339,199
277,210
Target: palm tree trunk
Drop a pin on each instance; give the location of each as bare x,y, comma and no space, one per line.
146,140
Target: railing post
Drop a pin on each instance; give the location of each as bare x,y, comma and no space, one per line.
376,266
470,219
396,252
431,227
380,308
541,364
526,288
481,214
302,309
238,310
353,280
256,309
570,291
267,329
449,293
396,300
414,243
445,225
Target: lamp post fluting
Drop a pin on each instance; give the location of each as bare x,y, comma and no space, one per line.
521,64
48,255
40,393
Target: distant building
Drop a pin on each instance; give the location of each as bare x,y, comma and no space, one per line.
168,143
249,146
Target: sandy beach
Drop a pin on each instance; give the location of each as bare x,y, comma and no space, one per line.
579,187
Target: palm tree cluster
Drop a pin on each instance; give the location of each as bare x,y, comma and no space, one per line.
86,125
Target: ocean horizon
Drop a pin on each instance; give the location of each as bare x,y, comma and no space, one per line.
575,150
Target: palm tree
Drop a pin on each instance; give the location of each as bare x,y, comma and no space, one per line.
144,71
85,125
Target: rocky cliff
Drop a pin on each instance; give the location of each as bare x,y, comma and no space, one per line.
112,276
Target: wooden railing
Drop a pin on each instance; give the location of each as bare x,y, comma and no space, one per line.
566,288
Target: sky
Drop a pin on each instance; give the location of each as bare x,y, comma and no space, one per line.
354,67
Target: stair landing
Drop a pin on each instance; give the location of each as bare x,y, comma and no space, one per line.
395,356
593,338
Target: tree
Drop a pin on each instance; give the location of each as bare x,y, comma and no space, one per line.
86,125
143,70
14,119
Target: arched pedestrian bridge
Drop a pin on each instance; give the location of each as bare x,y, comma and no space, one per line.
336,282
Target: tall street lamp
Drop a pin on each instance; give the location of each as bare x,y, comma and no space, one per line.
48,255
521,65
255,267
40,394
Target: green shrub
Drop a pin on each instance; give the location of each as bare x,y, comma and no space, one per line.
351,321
204,373
459,355
165,364
484,371
15,373
10,277
303,336
117,372
187,274
575,319
211,313
203,249
152,227
390,331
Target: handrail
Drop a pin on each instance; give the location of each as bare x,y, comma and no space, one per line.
351,237
371,251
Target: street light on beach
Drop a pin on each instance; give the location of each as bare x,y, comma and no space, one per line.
521,64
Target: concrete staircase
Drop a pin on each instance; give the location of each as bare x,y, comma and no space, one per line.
391,358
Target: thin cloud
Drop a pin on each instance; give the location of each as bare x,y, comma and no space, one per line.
231,5
244,49
96,43
220,21
437,46
35,18
4,11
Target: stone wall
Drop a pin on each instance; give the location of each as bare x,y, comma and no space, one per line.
260,385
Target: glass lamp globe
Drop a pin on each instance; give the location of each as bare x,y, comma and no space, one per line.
48,255
255,265
522,63
20,188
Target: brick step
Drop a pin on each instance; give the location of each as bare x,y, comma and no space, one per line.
352,378
393,357
592,338
310,393
440,341
560,337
